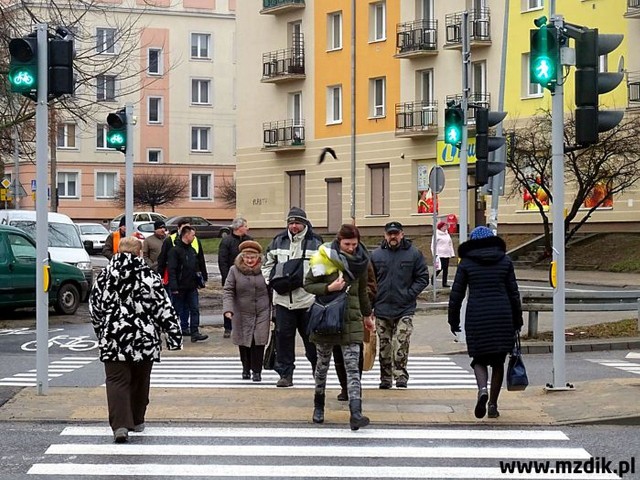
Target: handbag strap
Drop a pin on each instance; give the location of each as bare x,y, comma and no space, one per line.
516,343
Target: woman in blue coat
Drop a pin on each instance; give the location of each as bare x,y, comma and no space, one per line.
493,313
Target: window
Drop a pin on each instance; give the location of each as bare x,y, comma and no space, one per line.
155,110
106,40
377,97
106,88
479,77
529,89
334,104
200,45
106,184
425,82
200,139
200,91
377,22
201,186
154,156
101,135
67,135
334,31
68,184
531,4
296,189
154,61
379,175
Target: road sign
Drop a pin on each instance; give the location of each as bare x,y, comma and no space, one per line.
436,177
6,183
33,185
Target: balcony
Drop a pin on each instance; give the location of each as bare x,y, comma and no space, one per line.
416,119
417,39
284,65
283,135
277,7
476,99
633,89
633,9
479,29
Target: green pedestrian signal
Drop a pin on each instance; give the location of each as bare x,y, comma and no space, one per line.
543,55
23,65
117,132
453,122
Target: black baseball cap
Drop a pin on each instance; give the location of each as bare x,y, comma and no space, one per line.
393,227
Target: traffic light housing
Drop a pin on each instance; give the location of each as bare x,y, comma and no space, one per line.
486,144
117,131
61,81
589,83
23,65
453,123
544,56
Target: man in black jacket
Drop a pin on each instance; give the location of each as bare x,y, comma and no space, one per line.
184,268
227,254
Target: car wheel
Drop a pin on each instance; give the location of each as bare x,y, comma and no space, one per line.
68,300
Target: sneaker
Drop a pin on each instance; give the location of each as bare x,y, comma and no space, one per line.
481,405
226,334
257,377
385,385
493,412
121,435
198,337
138,428
285,382
401,383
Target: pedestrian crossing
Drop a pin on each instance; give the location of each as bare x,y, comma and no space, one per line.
56,369
433,372
306,452
624,365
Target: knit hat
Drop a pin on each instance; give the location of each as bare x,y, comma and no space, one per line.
440,225
159,224
297,215
250,246
481,232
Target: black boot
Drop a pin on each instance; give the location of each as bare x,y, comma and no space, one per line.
318,408
357,420
343,396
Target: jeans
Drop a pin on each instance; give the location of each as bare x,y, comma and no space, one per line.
287,322
187,304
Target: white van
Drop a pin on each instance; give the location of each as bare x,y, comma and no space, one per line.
65,244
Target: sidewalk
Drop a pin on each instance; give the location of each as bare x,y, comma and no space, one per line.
599,401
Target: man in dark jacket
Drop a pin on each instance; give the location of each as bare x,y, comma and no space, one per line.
183,270
227,254
402,274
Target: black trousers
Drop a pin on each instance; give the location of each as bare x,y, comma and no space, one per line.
127,392
444,268
287,322
252,357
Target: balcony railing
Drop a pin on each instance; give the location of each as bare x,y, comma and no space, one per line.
276,7
283,134
633,88
286,64
479,28
416,118
633,9
476,99
417,38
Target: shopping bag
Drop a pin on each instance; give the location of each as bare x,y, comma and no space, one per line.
369,351
270,352
517,379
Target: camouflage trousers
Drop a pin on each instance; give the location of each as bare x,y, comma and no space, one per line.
351,355
394,335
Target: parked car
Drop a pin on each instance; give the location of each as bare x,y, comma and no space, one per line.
143,230
68,285
93,236
138,218
204,228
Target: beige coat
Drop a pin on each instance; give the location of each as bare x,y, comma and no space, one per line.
245,294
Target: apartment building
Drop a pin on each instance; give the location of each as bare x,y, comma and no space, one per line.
178,70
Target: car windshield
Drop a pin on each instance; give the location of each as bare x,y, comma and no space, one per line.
93,229
62,235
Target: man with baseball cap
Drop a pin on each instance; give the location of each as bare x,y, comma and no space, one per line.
152,245
401,274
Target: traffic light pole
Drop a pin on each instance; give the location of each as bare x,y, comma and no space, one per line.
42,256
128,161
464,104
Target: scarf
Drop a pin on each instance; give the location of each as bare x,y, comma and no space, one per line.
329,259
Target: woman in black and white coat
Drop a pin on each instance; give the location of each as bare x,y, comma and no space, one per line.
129,309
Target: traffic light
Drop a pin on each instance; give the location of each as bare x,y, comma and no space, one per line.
486,144
590,83
453,122
117,133
23,66
543,54
61,55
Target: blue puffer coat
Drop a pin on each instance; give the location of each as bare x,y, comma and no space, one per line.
493,310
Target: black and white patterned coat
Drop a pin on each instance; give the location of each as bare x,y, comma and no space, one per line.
130,309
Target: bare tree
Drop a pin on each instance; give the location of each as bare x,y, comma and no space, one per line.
593,175
153,189
228,192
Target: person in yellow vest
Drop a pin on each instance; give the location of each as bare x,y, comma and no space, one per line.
113,240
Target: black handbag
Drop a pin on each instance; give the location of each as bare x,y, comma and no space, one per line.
270,352
517,379
326,314
288,276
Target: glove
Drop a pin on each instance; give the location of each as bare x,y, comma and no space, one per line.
455,330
